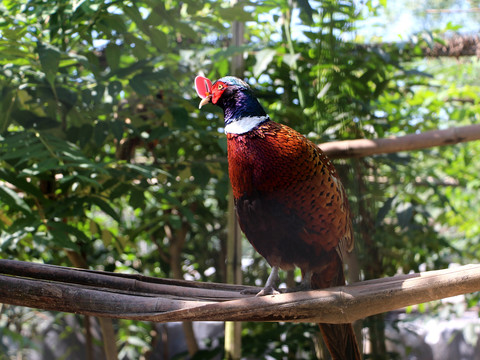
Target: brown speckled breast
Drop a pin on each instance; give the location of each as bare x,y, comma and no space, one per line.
290,202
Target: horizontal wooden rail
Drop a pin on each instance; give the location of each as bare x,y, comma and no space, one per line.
365,147
145,298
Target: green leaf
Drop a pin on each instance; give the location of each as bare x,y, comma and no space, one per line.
85,134
112,53
119,191
180,116
70,179
66,96
20,183
404,214
49,57
306,11
6,100
290,59
104,206
143,170
61,235
107,237
160,133
116,127
140,49
133,13
114,88
186,30
24,153
235,13
30,120
12,199
159,39
137,199
201,173
139,85
263,59
383,211
116,22
100,132
46,165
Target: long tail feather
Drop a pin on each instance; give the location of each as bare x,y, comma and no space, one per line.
341,341
339,338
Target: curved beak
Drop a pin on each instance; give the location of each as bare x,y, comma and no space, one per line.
204,101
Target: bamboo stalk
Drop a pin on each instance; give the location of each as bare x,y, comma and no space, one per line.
365,147
233,330
335,305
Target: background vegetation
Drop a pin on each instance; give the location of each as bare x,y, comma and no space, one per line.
106,162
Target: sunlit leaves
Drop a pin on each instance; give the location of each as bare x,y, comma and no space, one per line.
13,200
263,59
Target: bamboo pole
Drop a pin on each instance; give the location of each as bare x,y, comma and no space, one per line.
233,330
368,147
365,147
343,304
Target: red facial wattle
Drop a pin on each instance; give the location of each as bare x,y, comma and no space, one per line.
217,91
203,86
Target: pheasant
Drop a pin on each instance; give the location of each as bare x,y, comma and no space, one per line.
288,196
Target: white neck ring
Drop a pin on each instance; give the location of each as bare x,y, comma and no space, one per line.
244,124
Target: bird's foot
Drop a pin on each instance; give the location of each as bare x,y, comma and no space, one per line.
305,285
268,290
270,285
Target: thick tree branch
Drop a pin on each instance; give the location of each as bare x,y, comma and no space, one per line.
163,300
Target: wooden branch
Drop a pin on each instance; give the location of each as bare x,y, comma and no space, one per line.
150,299
125,283
365,147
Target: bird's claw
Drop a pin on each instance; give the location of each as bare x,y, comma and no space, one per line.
268,290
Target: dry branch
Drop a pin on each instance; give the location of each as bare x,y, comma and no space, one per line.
365,147
151,299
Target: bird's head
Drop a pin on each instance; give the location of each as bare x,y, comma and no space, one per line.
233,95
221,90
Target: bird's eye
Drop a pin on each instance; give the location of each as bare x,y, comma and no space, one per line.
220,87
